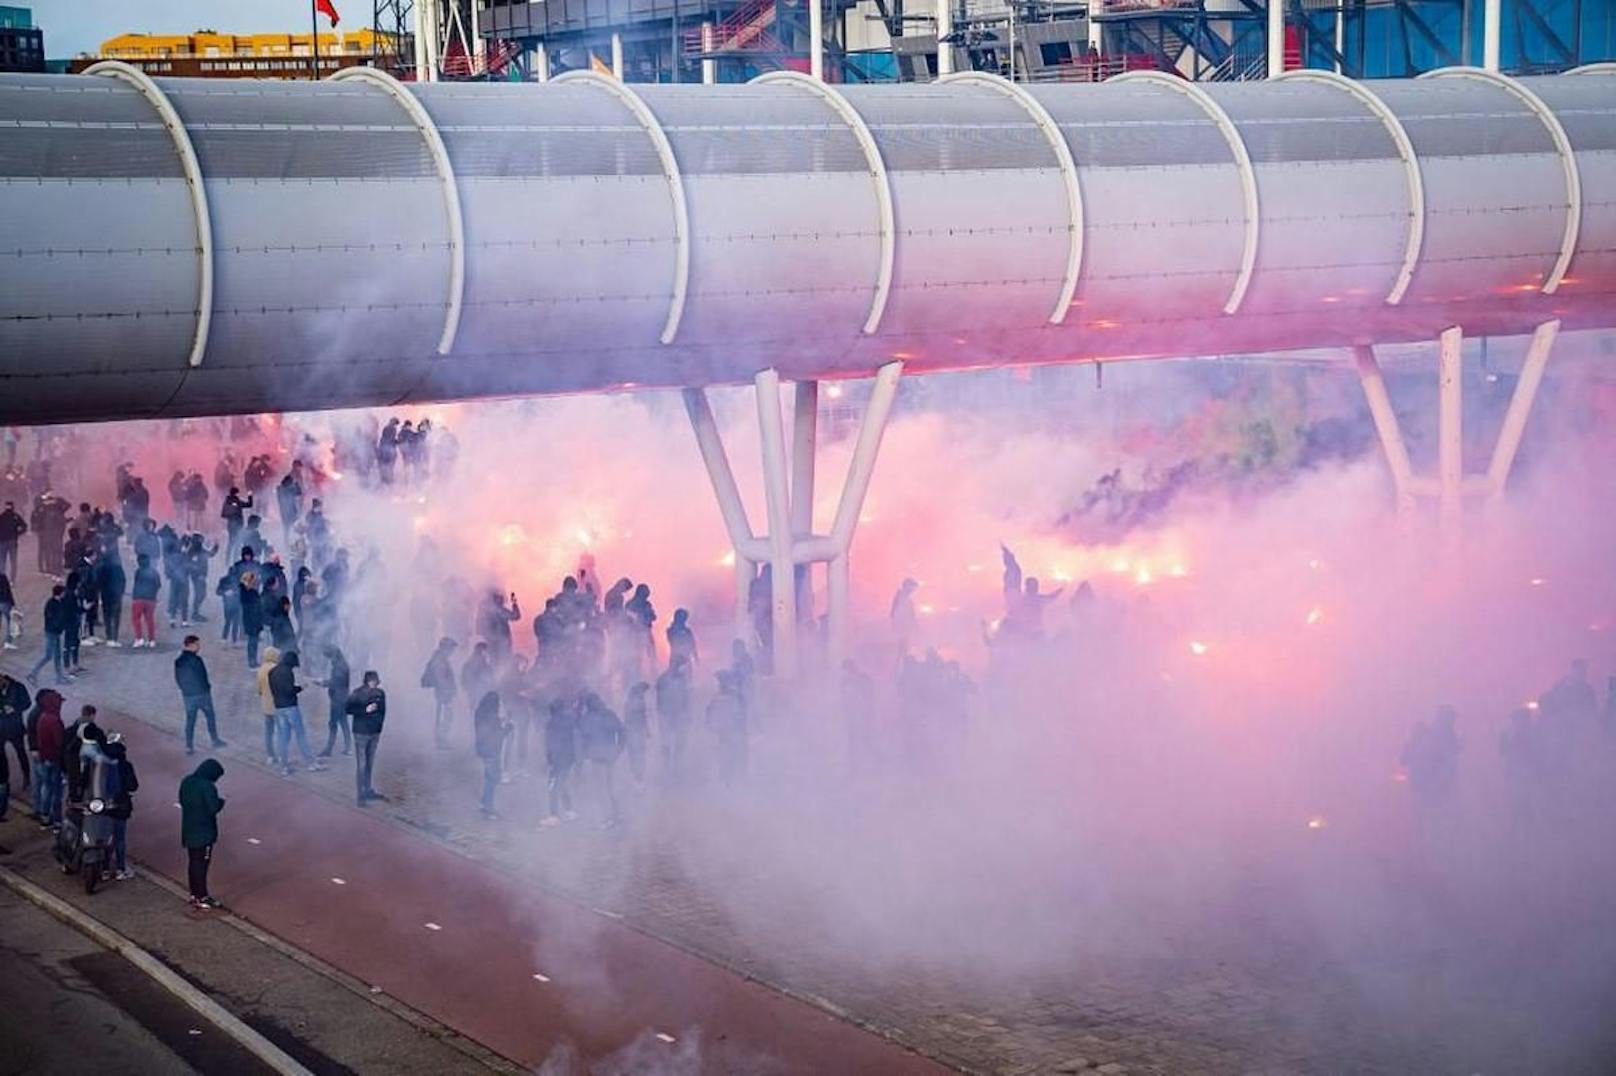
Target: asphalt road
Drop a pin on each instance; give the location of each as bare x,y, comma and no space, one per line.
68,1006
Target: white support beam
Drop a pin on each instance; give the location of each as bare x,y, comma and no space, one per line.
945,28
1276,38
777,495
709,65
1520,407
1386,426
804,446
541,62
862,465
789,493
1450,427
711,446
1491,34
617,56
816,40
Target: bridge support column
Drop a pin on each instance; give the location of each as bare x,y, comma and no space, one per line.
789,495
1391,436
1520,408
1450,428
1451,486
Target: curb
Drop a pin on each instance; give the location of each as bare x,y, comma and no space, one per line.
427,1025
205,1006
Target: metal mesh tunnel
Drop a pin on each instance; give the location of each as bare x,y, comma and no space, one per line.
182,247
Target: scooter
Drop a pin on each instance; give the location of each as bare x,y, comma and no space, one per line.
84,841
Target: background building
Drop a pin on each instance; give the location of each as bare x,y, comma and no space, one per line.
22,44
207,54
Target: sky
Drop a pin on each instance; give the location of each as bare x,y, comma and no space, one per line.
75,26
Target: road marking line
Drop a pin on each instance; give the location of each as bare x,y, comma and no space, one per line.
433,926
266,1051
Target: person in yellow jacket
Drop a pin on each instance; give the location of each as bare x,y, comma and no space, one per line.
270,657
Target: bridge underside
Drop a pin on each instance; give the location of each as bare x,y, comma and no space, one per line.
189,247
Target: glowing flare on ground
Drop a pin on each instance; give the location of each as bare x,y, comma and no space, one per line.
1531,704
1178,571
926,610
584,536
1538,581
1197,648
1315,564
1143,577
1316,822
833,391
511,534
728,559
1314,615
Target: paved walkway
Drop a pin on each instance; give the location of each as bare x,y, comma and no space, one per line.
521,971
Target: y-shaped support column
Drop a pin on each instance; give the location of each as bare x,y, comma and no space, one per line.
1451,486
790,540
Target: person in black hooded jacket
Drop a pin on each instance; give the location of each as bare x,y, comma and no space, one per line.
121,806
200,804
284,690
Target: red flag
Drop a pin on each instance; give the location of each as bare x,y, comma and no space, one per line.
328,9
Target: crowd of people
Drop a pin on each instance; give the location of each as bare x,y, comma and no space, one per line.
591,687
588,693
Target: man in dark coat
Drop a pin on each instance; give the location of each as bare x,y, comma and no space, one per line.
200,804
12,528
196,691
367,707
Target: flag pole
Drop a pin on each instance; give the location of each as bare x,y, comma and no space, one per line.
314,40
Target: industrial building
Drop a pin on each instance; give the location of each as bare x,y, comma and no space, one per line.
209,54
1028,40
22,44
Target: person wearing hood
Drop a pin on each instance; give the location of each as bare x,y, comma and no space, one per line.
45,735
12,528
266,701
367,706
198,567
440,678
122,784
8,602
491,729
252,537
71,759
252,611
14,704
338,680
637,728
600,735
200,804
561,753
289,499
282,635
143,612
283,691
726,717
111,581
